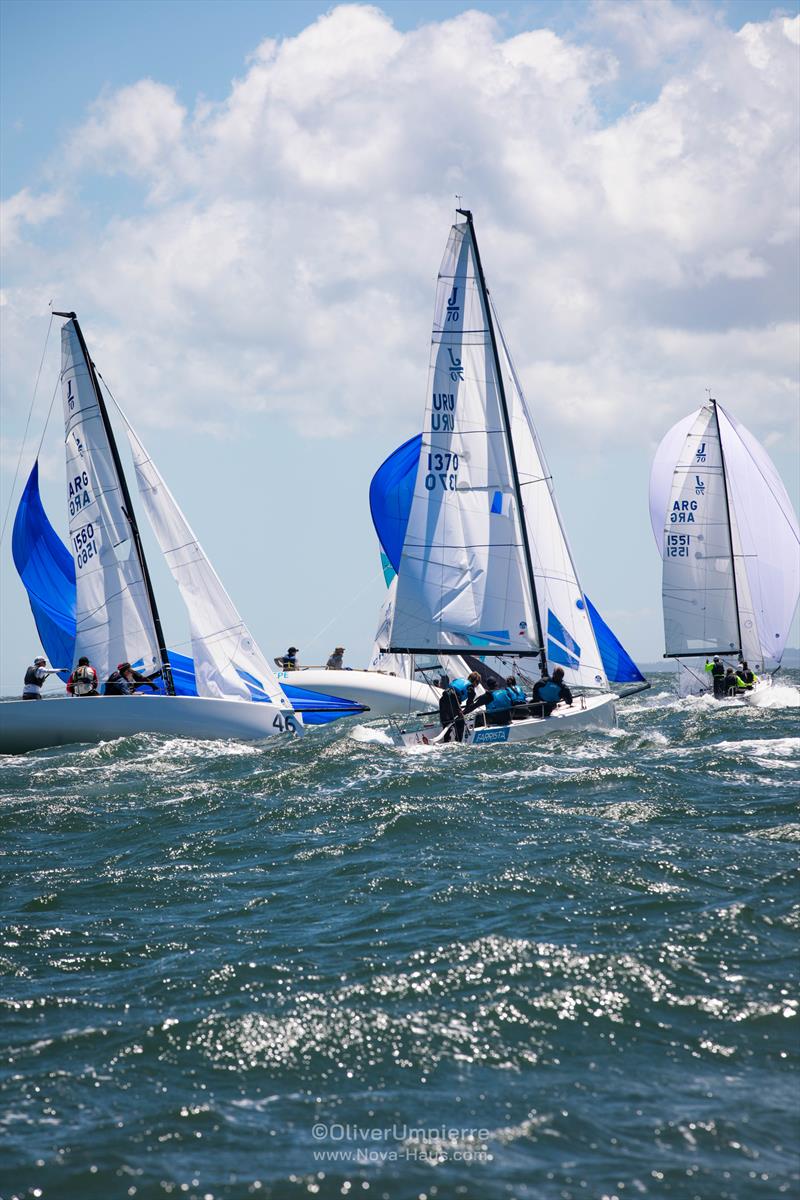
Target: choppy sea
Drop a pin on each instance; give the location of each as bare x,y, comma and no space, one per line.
332,968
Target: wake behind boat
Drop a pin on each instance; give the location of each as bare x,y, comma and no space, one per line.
729,539
98,601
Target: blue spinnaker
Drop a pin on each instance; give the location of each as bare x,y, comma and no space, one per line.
46,569
390,496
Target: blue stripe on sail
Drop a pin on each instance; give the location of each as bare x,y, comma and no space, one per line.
497,503
617,663
556,630
557,654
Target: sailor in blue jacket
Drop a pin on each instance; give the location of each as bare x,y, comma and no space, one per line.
499,700
452,702
548,691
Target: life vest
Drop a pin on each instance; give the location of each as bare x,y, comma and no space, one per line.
550,692
516,693
31,678
716,669
461,688
84,681
748,677
501,700
117,685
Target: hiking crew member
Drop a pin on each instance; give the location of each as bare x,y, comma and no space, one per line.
747,678
83,680
730,682
34,678
499,700
336,660
548,691
124,681
452,705
717,671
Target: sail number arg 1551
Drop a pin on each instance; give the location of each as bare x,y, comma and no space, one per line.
678,545
85,545
442,471
683,512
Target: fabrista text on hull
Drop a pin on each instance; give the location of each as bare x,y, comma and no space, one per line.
587,712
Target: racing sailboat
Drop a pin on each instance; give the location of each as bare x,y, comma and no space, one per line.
729,539
483,565
97,598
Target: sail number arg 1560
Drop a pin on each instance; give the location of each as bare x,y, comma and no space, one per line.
85,545
678,545
442,470
683,512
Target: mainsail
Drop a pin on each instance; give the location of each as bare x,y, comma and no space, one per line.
729,543
115,617
224,651
484,562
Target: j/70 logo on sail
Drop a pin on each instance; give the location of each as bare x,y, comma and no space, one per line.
70,397
453,308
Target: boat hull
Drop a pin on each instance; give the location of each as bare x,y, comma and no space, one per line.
590,712
384,695
36,724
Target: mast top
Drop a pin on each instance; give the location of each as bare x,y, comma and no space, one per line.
70,315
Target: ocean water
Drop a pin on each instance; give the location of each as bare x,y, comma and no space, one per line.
332,968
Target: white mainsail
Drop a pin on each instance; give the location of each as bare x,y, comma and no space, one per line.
699,586
729,542
463,579
114,621
223,649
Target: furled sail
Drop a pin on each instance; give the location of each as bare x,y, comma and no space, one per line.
114,619
223,649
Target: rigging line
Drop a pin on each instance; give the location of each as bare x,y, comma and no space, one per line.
349,605
27,426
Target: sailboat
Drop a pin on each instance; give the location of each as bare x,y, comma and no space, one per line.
483,567
729,540
97,598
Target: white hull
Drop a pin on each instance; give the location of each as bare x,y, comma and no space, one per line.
36,724
587,712
384,695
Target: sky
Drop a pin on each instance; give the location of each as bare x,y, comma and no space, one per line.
246,204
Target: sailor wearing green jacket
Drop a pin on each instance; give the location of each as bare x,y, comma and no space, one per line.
746,679
717,672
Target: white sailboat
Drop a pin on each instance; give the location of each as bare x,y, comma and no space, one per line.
116,618
729,539
485,568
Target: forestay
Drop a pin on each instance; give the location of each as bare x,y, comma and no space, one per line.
223,650
114,621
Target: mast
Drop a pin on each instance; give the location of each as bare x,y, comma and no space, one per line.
127,507
728,516
509,442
